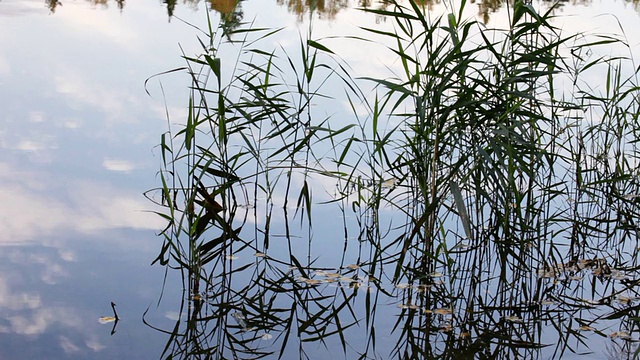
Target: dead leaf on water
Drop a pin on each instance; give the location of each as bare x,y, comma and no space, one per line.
389,183
106,319
590,302
618,275
623,298
312,281
403,286
408,306
620,334
546,274
513,319
443,311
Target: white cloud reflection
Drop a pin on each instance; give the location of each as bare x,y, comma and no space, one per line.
10,300
68,346
38,321
117,165
33,209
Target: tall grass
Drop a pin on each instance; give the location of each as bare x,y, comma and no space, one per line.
517,194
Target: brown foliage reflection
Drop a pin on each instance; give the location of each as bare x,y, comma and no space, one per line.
329,9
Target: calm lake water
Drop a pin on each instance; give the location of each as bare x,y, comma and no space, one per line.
79,139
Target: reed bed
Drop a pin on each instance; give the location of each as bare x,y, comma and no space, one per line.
512,181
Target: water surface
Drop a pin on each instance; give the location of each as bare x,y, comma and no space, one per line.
79,137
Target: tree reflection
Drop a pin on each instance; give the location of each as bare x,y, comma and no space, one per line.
53,4
325,9
328,9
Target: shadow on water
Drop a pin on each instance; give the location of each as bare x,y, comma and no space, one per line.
496,219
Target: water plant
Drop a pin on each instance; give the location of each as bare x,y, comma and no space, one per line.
513,186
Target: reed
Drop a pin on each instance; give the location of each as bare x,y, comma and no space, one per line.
508,185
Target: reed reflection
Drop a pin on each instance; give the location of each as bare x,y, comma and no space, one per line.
496,221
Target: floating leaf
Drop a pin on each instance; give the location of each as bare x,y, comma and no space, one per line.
312,281
618,275
546,274
590,302
389,183
106,319
443,311
513,319
620,334
623,298
408,306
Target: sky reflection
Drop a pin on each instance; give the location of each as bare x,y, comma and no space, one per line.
78,137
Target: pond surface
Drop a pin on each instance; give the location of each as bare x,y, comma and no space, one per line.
79,137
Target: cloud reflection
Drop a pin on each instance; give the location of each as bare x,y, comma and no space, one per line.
33,207
117,165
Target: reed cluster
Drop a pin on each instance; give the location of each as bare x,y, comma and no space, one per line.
509,174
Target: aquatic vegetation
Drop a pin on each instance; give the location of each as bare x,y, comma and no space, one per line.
510,180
